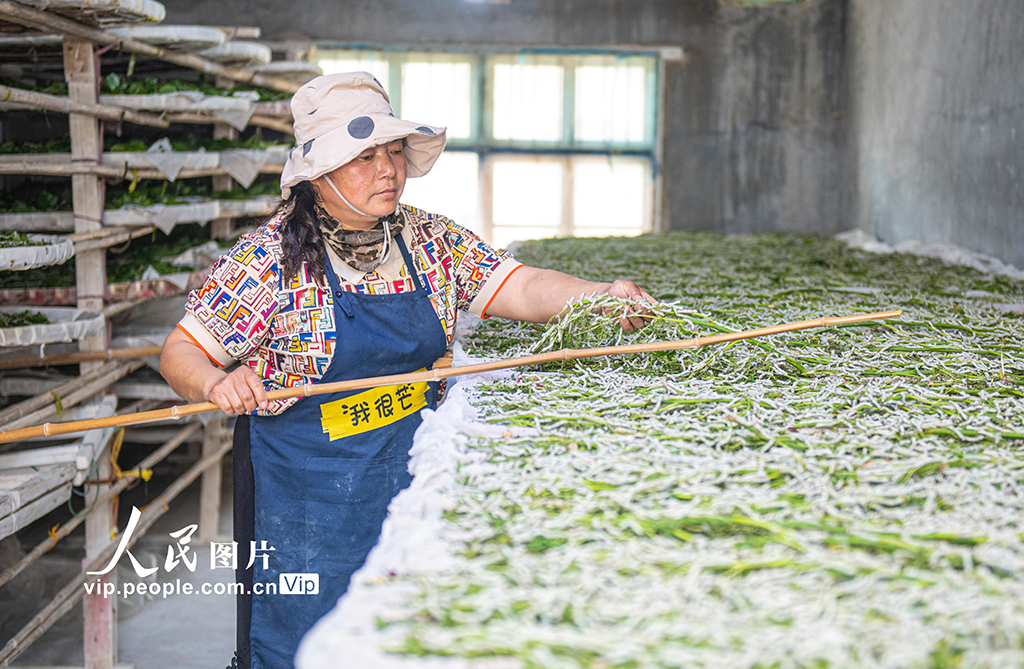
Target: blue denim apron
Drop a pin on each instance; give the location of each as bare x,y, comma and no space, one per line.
326,469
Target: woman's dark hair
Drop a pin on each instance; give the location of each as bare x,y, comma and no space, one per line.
300,233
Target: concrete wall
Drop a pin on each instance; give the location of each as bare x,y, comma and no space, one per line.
937,93
755,134
753,123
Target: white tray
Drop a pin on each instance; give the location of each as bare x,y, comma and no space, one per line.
104,13
67,324
30,493
179,38
58,250
241,54
294,70
182,101
160,215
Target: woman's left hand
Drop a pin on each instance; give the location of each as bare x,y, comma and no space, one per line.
630,291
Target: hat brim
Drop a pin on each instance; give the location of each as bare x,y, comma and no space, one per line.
326,153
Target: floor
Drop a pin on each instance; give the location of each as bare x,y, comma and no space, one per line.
178,632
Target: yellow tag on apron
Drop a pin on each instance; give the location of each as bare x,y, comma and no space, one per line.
371,409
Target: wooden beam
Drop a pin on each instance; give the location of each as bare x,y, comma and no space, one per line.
215,435
11,362
16,12
220,228
109,237
258,120
82,74
59,170
74,392
57,103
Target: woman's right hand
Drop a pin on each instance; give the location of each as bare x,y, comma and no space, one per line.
238,392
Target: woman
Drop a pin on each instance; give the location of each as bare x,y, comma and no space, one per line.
341,283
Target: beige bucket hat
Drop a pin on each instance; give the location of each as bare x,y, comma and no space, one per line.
338,116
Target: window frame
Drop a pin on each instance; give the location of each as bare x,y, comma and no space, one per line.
481,141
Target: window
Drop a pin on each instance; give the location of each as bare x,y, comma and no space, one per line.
527,102
439,93
539,144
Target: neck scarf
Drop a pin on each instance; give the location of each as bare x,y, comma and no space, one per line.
360,249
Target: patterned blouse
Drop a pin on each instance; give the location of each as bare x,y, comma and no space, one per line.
285,332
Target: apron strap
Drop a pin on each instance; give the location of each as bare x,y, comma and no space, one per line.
409,264
332,278
339,297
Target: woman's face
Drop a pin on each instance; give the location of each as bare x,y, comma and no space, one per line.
373,182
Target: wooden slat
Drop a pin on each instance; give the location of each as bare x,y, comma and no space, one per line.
23,485
34,511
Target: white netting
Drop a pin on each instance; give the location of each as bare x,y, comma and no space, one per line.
163,216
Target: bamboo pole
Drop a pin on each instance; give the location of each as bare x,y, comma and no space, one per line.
118,307
260,120
309,389
49,542
59,170
271,123
101,233
57,103
26,407
108,374
81,356
111,237
16,12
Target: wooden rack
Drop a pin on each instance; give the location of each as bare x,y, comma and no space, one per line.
92,231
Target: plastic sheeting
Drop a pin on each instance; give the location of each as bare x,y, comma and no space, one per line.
163,216
257,206
57,251
235,110
66,325
243,165
41,220
165,159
